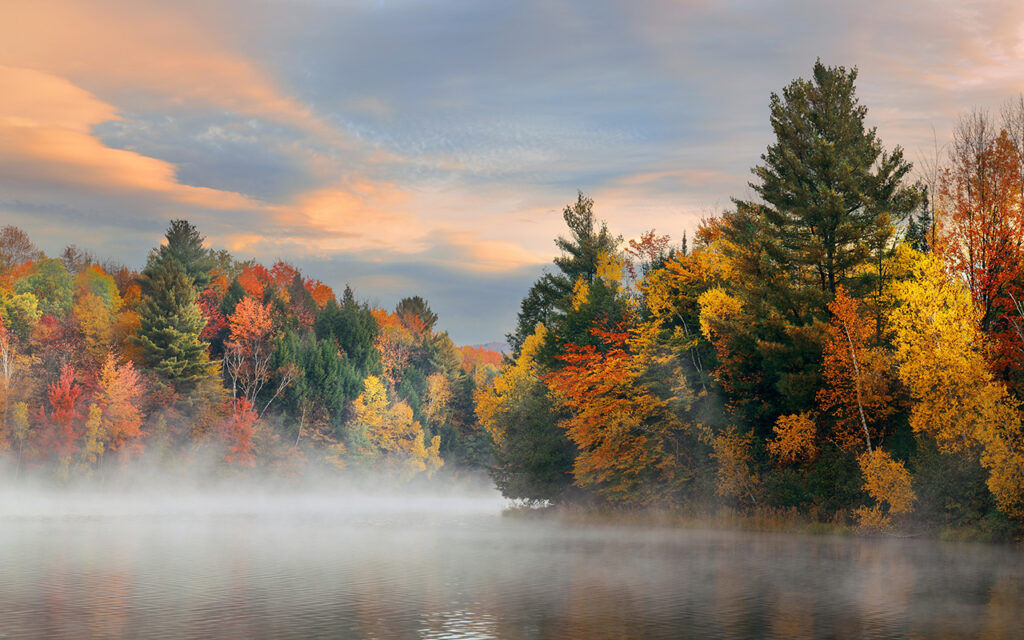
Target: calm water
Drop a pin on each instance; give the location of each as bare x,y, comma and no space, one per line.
321,567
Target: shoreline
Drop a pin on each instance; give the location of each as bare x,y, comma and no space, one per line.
762,521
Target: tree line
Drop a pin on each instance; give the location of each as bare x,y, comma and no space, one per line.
202,361
848,345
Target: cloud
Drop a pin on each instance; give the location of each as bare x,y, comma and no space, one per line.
174,51
424,143
45,139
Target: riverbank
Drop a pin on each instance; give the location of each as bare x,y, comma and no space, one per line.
765,519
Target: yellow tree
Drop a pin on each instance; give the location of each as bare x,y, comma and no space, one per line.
512,387
940,352
795,439
391,435
889,483
96,325
734,475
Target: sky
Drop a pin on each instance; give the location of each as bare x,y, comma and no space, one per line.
427,147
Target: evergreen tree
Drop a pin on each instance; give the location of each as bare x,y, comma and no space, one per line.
185,247
416,310
232,297
353,328
828,186
919,228
169,326
580,252
830,198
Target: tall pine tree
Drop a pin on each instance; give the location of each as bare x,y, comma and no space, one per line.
169,326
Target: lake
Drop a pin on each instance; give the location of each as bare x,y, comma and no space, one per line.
172,565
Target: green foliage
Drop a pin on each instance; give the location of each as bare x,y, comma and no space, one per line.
534,459
93,280
354,329
52,286
326,382
232,297
184,247
580,253
170,324
827,184
416,307
20,312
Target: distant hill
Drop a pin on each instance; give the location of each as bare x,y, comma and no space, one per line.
501,347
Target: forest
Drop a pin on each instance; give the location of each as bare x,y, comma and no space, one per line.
209,365
846,347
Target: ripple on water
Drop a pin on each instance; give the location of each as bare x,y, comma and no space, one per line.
457,573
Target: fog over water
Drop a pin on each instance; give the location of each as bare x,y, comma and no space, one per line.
445,563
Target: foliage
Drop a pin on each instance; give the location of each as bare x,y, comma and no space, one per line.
888,482
532,457
52,286
795,439
169,327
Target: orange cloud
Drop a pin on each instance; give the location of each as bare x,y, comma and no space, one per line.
45,137
160,48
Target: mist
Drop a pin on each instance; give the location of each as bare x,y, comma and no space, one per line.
445,559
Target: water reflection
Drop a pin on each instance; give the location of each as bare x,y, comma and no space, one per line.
467,574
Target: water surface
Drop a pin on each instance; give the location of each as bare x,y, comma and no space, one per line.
327,566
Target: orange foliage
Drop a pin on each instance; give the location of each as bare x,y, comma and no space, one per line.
626,435
237,430
858,392
385,318
473,357
321,292
254,279
984,220
248,350
281,275
120,392
794,439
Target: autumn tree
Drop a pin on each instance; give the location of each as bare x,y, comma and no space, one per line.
236,431
631,440
15,248
52,286
20,312
940,351
984,222
248,349
858,395
888,482
389,435
533,457
61,439
795,439
119,397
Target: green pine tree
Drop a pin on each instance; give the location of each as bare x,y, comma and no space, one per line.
170,323
550,295
185,247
